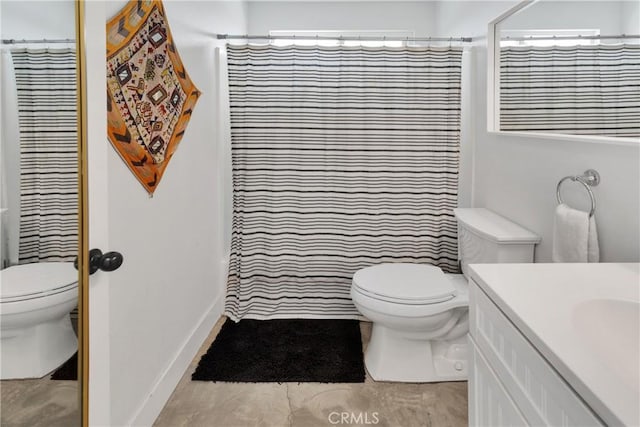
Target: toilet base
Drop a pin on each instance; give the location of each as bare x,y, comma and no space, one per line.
37,350
390,356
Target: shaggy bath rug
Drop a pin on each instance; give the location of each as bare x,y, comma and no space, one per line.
285,350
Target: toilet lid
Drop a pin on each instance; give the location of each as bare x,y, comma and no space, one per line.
37,279
405,283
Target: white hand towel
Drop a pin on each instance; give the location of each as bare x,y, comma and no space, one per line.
593,249
575,238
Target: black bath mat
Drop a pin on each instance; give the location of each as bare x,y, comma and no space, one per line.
285,350
68,371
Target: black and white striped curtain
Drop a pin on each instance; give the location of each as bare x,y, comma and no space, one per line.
46,87
582,90
343,157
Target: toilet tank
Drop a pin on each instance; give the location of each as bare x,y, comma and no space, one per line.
486,237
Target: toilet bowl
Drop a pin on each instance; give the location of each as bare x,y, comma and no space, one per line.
36,334
412,323
420,314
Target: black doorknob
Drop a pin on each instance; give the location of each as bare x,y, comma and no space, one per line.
111,261
99,261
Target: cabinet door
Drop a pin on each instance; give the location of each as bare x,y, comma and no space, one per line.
543,396
489,404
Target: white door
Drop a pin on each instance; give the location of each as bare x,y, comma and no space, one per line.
148,318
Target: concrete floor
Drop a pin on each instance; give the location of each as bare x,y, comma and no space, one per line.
198,403
39,402
43,402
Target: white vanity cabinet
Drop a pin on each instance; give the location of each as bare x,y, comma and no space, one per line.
510,382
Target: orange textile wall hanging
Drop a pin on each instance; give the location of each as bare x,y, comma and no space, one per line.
150,97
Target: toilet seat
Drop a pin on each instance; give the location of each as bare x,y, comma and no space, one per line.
38,280
404,283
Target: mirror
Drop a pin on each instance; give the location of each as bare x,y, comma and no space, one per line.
567,68
39,205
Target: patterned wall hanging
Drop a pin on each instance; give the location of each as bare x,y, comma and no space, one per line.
150,97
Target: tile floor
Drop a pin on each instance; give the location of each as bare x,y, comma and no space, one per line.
206,404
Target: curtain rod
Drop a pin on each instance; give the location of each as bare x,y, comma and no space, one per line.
577,37
34,41
343,38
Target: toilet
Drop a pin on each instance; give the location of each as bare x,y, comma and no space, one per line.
420,314
36,331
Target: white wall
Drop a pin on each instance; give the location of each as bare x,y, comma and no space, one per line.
165,298
631,17
265,16
517,177
197,29
471,17
468,18
607,16
20,19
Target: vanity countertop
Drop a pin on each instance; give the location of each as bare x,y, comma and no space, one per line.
582,318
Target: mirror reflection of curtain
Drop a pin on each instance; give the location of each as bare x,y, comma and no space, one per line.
580,90
343,157
46,88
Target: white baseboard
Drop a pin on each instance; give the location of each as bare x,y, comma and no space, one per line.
159,394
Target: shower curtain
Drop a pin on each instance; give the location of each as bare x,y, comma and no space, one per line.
46,92
343,157
583,90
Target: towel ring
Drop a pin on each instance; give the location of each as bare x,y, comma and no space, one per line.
589,179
